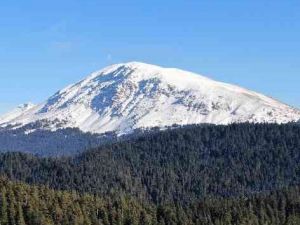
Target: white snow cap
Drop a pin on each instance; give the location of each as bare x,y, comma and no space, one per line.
127,96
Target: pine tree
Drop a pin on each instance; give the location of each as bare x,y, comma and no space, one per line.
4,207
12,207
20,220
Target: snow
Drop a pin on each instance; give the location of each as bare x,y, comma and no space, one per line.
133,95
16,112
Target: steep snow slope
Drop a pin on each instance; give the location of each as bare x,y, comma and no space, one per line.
134,95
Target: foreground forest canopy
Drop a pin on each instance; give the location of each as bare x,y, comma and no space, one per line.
21,204
179,166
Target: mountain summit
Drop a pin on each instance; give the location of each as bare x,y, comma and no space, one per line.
133,95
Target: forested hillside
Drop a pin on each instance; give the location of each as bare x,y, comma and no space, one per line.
64,142
174,166
22,204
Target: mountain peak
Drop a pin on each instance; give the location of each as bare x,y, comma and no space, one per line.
132,95
134,65
138,71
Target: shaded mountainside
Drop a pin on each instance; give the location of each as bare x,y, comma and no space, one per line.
38,205
62,142
181,165
40,142
124,97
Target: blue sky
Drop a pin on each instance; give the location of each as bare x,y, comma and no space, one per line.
46,45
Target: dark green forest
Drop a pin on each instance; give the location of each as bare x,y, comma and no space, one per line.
175,165
235,174
21,204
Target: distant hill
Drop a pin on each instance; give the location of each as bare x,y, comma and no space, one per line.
40,142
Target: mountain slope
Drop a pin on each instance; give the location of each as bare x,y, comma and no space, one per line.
135,95
16,112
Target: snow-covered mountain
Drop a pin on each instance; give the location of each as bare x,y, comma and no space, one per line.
135,95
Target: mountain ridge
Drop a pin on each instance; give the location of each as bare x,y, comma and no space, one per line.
128,96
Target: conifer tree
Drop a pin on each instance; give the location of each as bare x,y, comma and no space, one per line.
4,207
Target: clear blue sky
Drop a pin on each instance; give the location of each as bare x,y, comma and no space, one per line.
46,45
